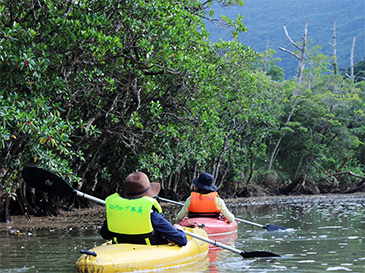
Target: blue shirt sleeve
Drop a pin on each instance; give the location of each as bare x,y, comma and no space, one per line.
166,229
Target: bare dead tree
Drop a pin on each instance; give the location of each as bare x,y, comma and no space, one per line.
335,67
351,76
301,66
352,59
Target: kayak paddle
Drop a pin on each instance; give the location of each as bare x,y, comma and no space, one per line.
267,227
244,254
49,182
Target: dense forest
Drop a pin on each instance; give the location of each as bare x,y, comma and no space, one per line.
94,90
264,21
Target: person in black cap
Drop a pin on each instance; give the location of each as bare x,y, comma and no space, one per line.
136,218
205,202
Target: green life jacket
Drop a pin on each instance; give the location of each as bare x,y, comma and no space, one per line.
130,216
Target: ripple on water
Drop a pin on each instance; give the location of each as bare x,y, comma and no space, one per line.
338,268
19,269
306,261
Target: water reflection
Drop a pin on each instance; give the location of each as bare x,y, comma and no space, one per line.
327,236
44,250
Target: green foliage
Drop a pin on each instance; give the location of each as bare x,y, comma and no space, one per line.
104,88
327,125
33,129
116,83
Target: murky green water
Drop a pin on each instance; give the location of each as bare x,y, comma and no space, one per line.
328,236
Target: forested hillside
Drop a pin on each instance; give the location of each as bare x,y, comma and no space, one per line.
95,90
264,21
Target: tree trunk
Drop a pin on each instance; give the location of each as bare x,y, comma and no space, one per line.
335,68
299,80
343,164
274,153
289,188
217,166
352,59
4,213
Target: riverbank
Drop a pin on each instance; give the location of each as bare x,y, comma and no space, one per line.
92,218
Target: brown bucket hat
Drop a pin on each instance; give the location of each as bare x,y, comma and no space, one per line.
137,184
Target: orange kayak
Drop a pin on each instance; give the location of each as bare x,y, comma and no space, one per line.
213,226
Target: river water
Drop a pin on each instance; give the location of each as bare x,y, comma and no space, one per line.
325,234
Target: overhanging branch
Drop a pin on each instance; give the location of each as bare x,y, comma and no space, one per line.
348,172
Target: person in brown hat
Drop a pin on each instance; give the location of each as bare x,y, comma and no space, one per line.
137,218
205,201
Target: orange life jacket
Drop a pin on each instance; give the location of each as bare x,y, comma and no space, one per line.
203,205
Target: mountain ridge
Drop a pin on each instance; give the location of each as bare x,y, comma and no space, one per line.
265,20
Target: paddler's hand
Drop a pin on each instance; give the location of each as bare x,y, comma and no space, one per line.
177,226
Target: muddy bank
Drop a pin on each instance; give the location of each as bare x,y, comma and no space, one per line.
92,218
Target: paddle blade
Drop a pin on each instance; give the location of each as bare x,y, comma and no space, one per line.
258,254
274,228
46,181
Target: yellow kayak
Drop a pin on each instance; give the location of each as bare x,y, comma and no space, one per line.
132,257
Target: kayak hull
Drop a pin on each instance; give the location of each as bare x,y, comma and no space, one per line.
213,226
132,257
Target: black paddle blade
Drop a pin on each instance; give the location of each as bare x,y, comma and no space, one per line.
274,228
258,254
88,252
46,181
